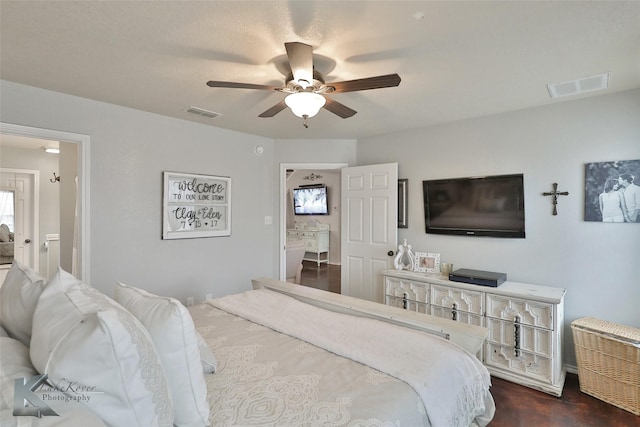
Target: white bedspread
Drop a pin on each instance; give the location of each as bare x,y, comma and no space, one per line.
451,382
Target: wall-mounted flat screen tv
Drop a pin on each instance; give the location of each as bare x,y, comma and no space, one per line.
310,201
477,206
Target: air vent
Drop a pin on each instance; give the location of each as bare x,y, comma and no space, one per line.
575,87
202,112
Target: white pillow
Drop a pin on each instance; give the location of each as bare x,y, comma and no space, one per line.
18,298
15,360
174,335
83,337
15,364
209,363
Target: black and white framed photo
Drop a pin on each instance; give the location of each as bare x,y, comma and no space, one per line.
426,262
195,206
612,191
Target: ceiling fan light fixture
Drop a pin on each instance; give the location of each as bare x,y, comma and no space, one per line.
305,103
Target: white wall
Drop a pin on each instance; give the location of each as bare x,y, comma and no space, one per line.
598,264
129,151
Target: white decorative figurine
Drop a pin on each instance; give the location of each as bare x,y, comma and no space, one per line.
404,260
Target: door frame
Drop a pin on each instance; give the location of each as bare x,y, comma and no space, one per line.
83,203
283,203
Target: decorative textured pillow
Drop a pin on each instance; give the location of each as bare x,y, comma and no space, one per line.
174,335
84,338
18,298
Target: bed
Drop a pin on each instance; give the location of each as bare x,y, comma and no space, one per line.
278,355
291,355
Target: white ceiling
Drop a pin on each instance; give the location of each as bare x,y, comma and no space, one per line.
26,143
457,60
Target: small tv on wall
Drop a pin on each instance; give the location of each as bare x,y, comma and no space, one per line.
476,206
310,200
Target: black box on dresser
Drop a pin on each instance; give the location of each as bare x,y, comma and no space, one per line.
478,277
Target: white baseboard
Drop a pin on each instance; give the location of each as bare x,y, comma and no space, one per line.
571,369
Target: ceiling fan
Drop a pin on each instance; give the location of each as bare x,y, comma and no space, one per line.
307,89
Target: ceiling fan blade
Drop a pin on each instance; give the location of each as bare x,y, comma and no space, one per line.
301,61
274,110
378,82
338,109
234,85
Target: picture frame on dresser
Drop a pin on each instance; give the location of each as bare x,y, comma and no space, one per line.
427,262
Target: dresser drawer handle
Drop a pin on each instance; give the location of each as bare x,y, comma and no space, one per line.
516,337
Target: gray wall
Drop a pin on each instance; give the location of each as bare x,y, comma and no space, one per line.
129,151
68,160
598,264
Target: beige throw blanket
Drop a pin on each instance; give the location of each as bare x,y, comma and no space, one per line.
451,382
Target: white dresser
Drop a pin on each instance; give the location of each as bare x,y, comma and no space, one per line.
316,242
525,322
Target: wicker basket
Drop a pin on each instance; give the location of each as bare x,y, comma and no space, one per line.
608,356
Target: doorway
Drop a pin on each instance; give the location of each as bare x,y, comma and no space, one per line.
286,206
80,145
368,224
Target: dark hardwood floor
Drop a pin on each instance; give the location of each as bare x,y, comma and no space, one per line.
516,406
325,277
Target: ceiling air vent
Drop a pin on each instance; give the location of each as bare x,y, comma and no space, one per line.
575,87
202,112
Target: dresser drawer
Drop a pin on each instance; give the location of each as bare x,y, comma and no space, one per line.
532,313
294,235
309,234
457,315
310,245
530,339
460,299
528,364
407,294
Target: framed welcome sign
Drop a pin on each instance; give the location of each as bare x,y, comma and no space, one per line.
195,206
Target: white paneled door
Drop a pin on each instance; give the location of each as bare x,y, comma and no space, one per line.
24,184
369,228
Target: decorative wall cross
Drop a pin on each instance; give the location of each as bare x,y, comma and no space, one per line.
555,193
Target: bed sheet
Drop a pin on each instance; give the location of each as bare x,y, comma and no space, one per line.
267,378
